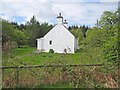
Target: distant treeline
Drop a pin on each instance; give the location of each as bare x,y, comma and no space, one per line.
27,34
23,35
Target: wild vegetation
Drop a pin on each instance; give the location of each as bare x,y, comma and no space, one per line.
98,45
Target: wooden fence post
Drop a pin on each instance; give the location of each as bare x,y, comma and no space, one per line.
17,76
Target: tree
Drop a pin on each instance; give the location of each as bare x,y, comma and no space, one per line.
78,34
108,19
22,27
7,31
32,27
105,38
84,30
11,33
20,38
44,28
35,30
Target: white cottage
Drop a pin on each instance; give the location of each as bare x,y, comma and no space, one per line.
59,38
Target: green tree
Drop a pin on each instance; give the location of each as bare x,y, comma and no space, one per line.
105,38
32,27
11,33
7,34
35,30
78,34
108,19
20,38
84,30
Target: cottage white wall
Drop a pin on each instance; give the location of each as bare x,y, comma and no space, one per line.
61,38
40,44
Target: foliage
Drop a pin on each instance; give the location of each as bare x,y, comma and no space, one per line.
111,26
108,19
23,35
51,51
35,30
78,34
105,37
81,28
111,46
20,38
32,27
11,33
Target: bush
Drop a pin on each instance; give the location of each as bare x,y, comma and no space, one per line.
51,51
77,50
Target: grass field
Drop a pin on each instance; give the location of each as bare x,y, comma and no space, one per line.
66,77
23,51
27,56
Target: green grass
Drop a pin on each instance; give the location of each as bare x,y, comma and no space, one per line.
49,77
25,56
10,57
23,51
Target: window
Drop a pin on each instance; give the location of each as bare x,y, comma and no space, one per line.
50,42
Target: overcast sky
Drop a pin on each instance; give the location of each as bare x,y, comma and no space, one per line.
77,12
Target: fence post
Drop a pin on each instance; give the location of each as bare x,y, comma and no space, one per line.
17,76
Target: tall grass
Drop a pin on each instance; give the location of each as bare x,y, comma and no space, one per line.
45,77
82,77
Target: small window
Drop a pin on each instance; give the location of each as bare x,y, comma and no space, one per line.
50,42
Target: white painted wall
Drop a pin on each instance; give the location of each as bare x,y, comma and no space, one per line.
40,44
61,39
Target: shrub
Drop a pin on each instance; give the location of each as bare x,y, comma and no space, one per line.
51,51
77,50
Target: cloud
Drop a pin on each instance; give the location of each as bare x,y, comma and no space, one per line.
40,8
83,1
77,12
26,1
84,13
109,0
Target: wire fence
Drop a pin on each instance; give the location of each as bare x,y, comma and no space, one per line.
37,75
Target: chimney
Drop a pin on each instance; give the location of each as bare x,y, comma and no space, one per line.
65,23
60,19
